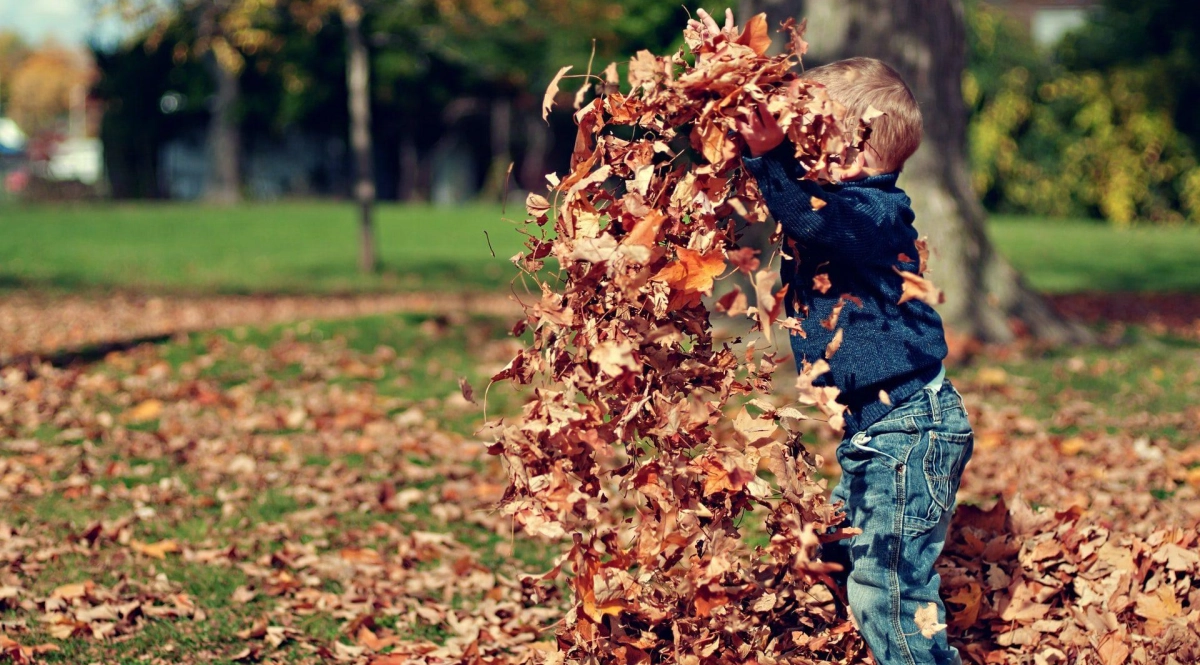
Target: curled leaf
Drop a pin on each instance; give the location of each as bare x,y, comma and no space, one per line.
552,92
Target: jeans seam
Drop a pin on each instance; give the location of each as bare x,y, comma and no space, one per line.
894,566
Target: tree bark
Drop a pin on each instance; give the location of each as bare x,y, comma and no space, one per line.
925,41
224,137
359,101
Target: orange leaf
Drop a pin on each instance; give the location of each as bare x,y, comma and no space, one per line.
755,35
821,283
361,555
970,597
919,288
367,638
693,272
147,410
157,550
705,601
712,142
645,230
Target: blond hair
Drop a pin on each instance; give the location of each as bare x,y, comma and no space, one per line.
861,83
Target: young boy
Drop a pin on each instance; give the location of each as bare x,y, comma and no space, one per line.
907,437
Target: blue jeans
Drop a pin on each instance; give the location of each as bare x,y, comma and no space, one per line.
899,479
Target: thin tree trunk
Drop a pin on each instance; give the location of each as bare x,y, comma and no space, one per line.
537,148
410,165
925,40
501,139
224,137
359,100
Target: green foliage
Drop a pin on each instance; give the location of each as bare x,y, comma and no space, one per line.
1162,36
1050,140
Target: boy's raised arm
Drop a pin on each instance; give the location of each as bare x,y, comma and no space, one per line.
842,222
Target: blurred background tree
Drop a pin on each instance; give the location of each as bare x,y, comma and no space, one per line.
42,84
1103,125
13,50
436,99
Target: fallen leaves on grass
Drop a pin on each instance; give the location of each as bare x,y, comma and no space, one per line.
247,480
1021,582
322,498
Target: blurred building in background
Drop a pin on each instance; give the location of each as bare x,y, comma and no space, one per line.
1049,20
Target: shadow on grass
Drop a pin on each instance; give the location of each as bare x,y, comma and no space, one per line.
80,356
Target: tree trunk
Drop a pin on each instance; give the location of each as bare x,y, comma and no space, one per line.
537,149
501,138
410,166
925,40
224,137
359,100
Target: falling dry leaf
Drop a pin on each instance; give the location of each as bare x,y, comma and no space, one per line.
614,357
916,287
927,620
552,92
693,272
465,388
834,344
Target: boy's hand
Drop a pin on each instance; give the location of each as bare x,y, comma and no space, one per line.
761,131
709,33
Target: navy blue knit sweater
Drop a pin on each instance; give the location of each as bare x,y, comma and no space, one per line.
859,238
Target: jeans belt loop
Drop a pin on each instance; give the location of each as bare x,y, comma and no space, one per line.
935,405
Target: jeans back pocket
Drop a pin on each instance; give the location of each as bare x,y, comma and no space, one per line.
945,458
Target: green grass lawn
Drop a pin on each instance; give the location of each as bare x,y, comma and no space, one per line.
312,247
283,247
1064,256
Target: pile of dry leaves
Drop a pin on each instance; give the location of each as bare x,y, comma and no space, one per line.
1052,586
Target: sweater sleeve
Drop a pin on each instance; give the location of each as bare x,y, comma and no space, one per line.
847,225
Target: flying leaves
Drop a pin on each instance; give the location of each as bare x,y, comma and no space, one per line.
627,452
916,287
